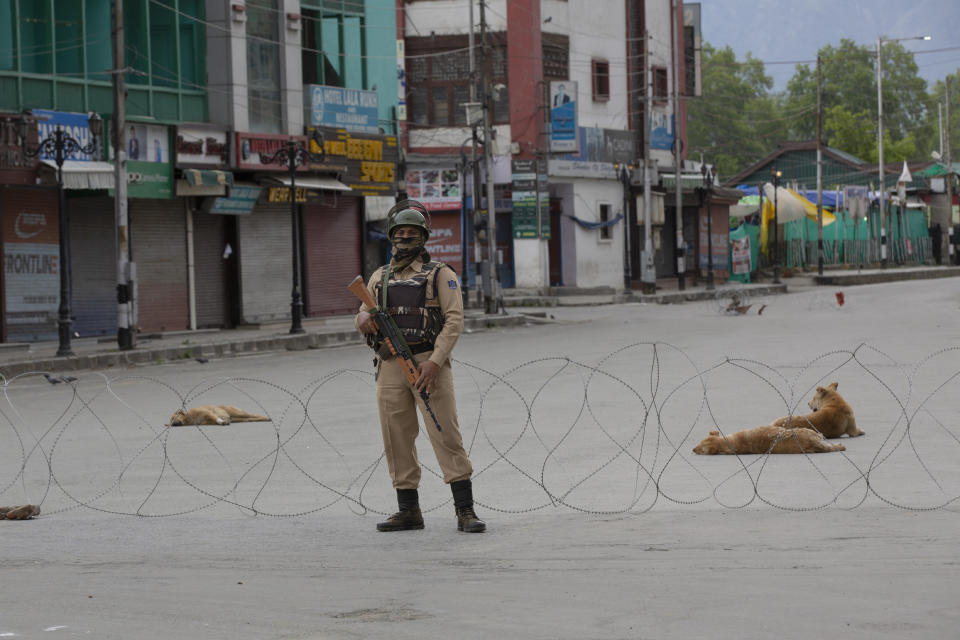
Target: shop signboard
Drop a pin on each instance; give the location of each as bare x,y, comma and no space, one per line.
355,110
599,150
367,163
250,148
75,125
201,146
526,196
242,200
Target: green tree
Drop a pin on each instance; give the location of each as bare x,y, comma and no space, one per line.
936,106
736,121
848,79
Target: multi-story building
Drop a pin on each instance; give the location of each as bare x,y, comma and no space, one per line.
566,85
213,89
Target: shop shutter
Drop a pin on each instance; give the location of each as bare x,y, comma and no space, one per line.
159,248
266,272
93,265
211,270
332,232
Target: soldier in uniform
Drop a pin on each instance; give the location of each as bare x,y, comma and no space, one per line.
424,299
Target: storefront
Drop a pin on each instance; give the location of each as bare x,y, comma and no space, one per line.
212,203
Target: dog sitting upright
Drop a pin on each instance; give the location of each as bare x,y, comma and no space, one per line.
212,414
831,416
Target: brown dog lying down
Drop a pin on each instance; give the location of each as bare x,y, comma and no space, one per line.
769,439
832,416
21,512
212,414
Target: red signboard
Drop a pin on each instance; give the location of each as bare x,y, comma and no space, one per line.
251,148
445,239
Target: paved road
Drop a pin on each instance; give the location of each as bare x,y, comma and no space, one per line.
602,523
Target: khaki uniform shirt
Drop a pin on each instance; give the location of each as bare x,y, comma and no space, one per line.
451,304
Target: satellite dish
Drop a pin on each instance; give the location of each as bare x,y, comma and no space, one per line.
935,155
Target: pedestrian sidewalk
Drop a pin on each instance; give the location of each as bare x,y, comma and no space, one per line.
520,308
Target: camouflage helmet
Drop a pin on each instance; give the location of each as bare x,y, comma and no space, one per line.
408,213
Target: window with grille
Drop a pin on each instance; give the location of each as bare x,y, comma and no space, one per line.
605,233
601,80
659,83
438,79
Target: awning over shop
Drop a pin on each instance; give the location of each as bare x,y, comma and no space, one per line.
208,177
79,174
316,183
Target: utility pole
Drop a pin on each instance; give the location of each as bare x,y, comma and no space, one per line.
648,272
490,278
678,169
126,338
819,174
950,246
883,188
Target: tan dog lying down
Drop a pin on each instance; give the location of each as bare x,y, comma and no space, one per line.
769,439
212,414
831,416
21,512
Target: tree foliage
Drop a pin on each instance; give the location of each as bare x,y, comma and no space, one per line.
736,121
739,120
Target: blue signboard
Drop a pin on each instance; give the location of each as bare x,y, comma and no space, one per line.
563,116
242,200
661,130
350,109
75,125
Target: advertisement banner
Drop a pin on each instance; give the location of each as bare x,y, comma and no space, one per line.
661,130
341,108
437,189
367,163
149,179
444,244
31,256
201,146
563,116
75,125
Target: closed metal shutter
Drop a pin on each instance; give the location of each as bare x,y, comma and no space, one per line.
158,246
211,270
266,269
332,233
31,251
94,265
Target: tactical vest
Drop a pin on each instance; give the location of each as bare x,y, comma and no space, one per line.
414,305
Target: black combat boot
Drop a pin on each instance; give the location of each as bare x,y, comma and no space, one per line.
467,519
408,517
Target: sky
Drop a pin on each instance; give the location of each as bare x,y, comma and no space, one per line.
777,31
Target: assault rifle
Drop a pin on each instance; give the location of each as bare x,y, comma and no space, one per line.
390,334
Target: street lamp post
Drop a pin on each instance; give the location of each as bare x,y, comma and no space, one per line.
708,178
883,188
776,227
61,145
294,155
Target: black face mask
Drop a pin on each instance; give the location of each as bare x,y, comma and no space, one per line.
405,250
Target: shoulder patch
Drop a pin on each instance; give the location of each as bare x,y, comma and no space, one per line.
452,284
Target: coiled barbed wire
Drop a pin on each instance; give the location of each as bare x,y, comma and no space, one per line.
610,438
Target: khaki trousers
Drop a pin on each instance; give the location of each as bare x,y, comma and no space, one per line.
397,401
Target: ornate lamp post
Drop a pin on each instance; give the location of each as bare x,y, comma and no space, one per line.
708,178
776,228
61,145
294,155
